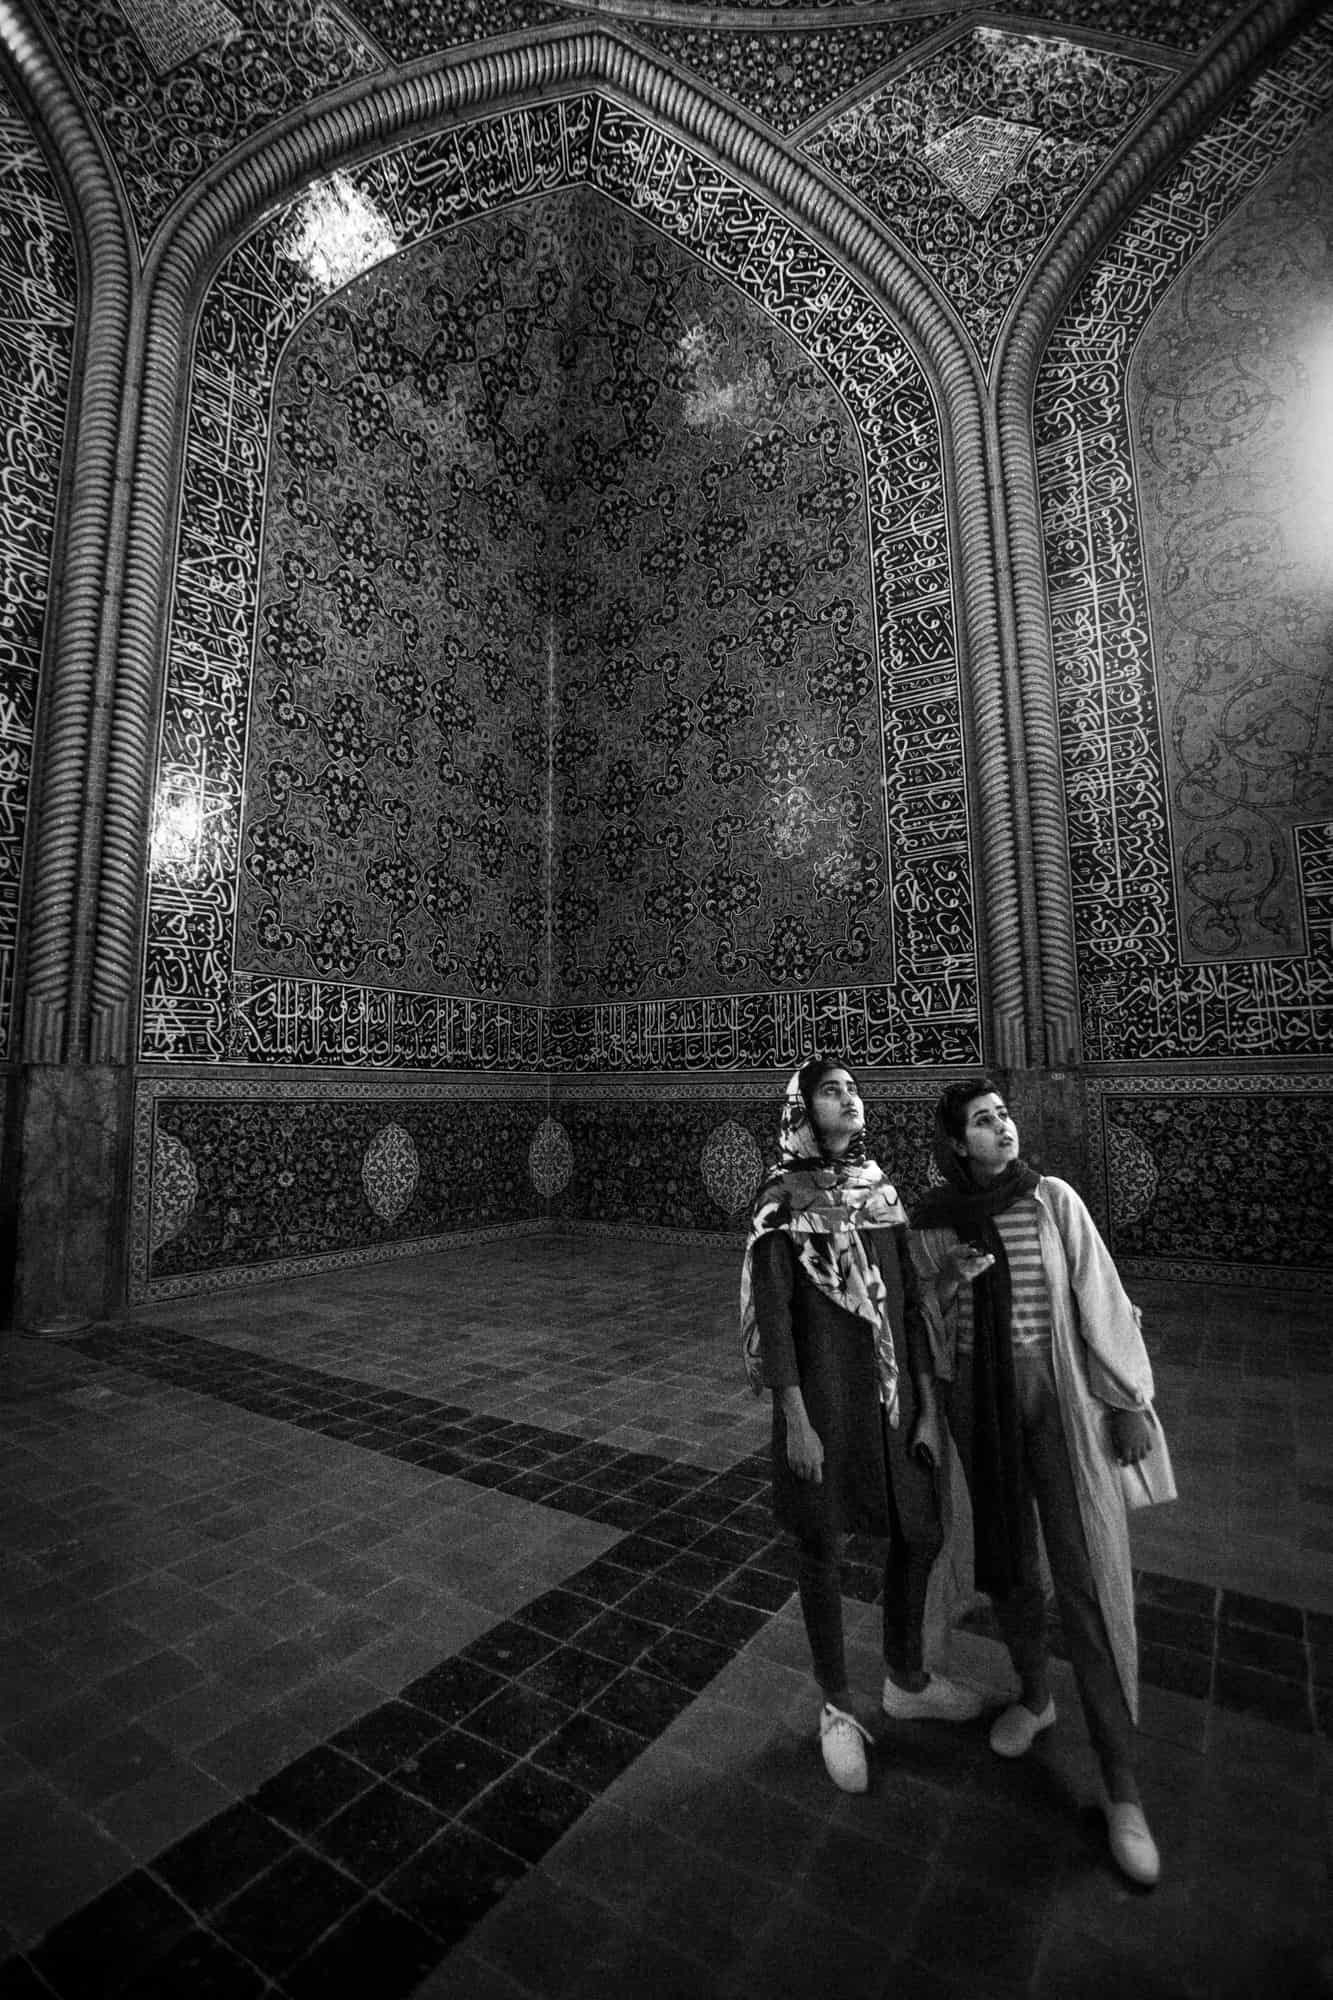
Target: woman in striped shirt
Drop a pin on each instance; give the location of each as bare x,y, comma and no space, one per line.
1049,1392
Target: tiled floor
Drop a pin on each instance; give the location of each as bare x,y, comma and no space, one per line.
423,1630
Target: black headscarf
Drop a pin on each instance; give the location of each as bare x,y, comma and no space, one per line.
969,1208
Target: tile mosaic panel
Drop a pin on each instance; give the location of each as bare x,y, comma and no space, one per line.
1140,999
1232,396
645,1159
165,128
787,78
412,28
254,1182
199,1007
395,824
974,156
237,1182
1162,21
1216,1177
38,303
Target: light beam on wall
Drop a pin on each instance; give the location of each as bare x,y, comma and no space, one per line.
178,828
1310,520
339,233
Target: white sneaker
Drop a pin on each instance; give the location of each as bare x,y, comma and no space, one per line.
1132,1845
843,1742
1014,1732
940,1700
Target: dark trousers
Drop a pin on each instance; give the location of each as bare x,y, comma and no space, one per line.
1048,1484
913,1544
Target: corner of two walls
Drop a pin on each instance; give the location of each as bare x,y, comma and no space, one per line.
348,1113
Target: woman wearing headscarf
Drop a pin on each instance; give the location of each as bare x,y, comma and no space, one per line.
832,1326
1050,1395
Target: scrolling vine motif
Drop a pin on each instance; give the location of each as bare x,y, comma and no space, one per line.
1140,998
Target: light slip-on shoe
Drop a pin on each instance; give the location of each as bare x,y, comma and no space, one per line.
940,1700
1132,1846
843,1742
1014,1732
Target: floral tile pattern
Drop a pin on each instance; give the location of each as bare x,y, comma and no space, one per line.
735,426
164,131
1146,797
914,151
787,77
275,1181
1219,1178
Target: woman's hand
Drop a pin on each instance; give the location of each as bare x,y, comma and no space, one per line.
1131,1435
963,1262
805,1454
926,1440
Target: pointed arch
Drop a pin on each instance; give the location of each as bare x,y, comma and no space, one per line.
1186,112
412,110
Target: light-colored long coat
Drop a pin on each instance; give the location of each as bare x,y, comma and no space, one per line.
1100,1364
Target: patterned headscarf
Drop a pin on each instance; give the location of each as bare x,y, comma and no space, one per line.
823,1204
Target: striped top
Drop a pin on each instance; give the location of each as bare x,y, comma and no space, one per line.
1030,1320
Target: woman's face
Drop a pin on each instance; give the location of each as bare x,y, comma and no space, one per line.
990,1139
837,1109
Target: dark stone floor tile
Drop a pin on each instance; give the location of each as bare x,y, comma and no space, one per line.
220,1857
535,1485
1246,1689
1186,1631
279,1917
1262,1613
378,1832
558,1613
571,1676
726,1544
757,1586
451,1884
453,1770
617,1636
708,1506
723,1622
517,1718
105,1947
605,1581
313,1789
661,1604
453,1689
641,1702
1272,1652
509,1648
588,1751
696,1572
202,1968
18,1981
527,1811
675,1531
1175,1593
388,1736
687,1658
1179,1673
643,1553
377,1950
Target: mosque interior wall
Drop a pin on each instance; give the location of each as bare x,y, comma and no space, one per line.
570,706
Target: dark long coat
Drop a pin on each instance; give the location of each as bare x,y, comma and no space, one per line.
870,1484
